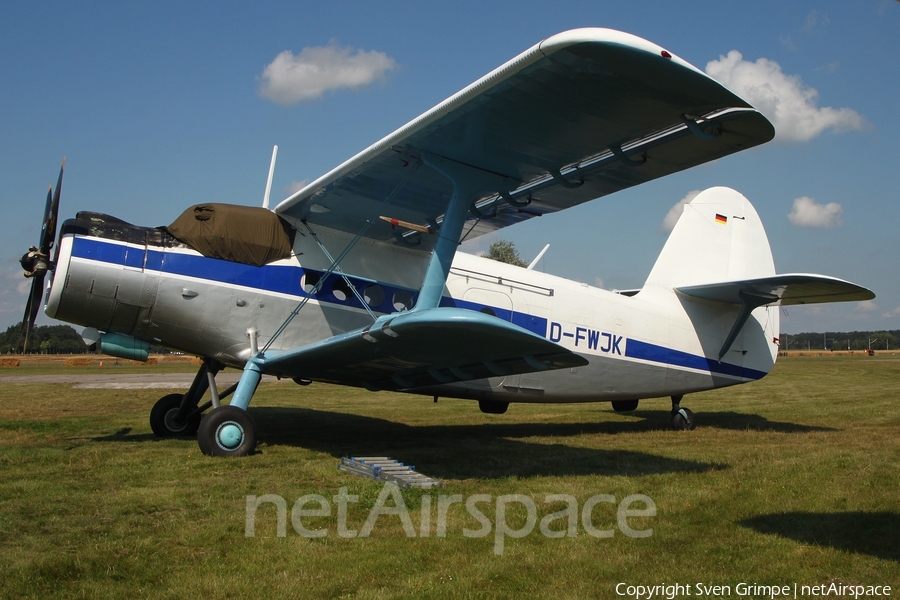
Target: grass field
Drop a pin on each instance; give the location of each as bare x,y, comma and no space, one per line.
793,479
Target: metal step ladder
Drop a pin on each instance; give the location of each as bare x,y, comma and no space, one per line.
385,468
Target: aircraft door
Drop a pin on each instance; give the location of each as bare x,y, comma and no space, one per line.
500,305
496,304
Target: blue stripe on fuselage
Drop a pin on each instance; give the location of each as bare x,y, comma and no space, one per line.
660,354
282,279
285,279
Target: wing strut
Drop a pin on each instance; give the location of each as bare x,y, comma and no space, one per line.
253,370
468,184
337,269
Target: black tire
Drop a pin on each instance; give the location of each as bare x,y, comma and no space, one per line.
683,420
163,414
227,431
493,408
625,405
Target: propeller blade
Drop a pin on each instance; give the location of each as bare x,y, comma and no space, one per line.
32,307
48,230
44,222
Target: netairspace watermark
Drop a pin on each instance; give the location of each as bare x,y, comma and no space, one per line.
558,524
750,590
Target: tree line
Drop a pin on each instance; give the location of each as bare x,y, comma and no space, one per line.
50,339
46,339
841,340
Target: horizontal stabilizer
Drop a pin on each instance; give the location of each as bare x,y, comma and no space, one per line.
787,289
423,348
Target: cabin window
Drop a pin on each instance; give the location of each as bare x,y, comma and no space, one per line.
374,295
341,289
309,280
402,300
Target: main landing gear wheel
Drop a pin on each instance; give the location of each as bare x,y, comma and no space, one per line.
227,431
164,419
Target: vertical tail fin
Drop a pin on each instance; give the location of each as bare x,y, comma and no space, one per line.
719,237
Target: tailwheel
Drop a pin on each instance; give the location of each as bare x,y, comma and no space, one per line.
682,418
227,431
165,421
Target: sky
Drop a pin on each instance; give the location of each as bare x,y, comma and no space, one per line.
161,105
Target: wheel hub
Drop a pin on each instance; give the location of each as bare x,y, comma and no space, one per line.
173,423
229,435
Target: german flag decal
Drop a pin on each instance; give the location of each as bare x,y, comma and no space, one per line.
721,219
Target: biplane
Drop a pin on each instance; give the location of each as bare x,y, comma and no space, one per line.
356,279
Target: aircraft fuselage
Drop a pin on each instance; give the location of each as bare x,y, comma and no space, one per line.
143,283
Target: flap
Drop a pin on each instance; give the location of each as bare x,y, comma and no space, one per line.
581,115
421,348
787,289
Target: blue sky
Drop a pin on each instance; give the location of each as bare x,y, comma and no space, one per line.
161,105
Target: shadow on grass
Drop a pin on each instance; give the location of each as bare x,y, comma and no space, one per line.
451,451
873,533
484,449
463,451
742,421
125,435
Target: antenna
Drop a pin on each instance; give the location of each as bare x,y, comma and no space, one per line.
538,257
269,182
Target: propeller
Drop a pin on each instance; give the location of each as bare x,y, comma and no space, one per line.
36,261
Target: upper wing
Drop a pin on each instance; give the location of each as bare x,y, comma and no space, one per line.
580,115
791,288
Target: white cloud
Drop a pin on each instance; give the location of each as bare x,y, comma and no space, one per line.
816,22
296,186
290,79
783,99
865,306
892,313
808,213
674,213
14,289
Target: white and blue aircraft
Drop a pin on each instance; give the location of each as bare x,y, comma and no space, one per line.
356,279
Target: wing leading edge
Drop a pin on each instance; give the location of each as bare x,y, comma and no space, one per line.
581,115
423,348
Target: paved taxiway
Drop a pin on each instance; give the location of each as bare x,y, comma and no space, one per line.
114,381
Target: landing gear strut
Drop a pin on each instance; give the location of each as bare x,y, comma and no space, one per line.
682,418
180,414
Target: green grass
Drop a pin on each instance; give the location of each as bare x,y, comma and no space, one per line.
795,478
